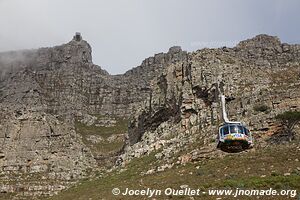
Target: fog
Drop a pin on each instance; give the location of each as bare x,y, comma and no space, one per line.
124,32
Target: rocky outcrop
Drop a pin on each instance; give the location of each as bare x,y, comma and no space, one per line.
51,97
259,72
63,79
40,153
43,94
37,142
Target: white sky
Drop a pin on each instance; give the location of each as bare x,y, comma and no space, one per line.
124,32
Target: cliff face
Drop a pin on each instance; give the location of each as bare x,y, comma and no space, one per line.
58,109
63,79
184,107
49,99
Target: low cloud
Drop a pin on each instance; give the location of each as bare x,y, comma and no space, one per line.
124,32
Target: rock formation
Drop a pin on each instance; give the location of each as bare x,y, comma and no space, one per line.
257,73
49,95
43,94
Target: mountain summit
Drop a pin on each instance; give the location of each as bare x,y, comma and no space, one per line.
63,117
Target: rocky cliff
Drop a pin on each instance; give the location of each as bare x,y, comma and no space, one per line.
62,116
57,109
260,76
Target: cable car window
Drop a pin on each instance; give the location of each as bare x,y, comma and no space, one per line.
240,129
225,130
246,131
235,129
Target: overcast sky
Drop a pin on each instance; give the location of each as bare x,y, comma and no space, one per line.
124,32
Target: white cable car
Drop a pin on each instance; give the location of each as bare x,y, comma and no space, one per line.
233,136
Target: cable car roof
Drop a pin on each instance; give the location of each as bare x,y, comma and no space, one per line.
228,124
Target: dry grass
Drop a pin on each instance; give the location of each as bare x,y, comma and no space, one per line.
103,147
262,169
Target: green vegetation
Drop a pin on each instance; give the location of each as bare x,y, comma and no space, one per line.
289,119
120,127
103,132
261,108
260,169
279,182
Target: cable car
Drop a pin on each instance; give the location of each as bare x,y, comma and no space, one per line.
233,136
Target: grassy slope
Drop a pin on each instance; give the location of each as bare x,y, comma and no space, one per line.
262,168
102,147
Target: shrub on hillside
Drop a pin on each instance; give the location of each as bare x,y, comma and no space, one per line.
289,120
261,108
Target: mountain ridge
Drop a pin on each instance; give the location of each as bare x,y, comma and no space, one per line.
62,116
